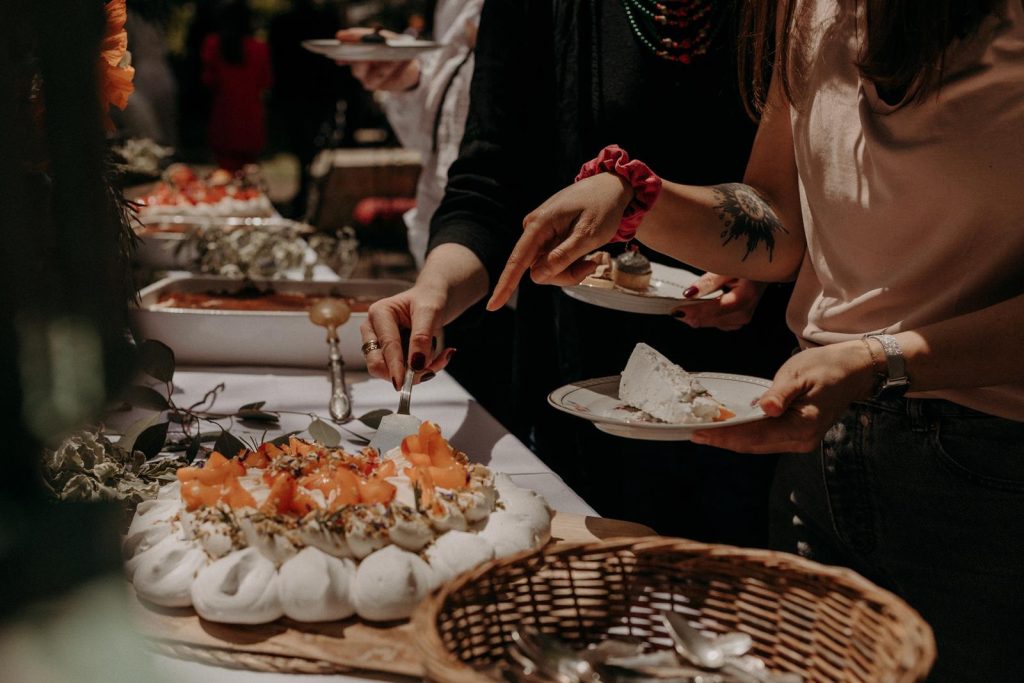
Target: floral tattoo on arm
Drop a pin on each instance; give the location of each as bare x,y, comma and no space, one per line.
746,215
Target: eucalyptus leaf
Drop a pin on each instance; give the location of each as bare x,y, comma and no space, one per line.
324,433
145,397
151,440
253,406
156,359
228,445
131,433
255,415
193,448
372,419
283,439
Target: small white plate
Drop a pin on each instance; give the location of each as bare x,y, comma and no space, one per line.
663,296
391,51
597,400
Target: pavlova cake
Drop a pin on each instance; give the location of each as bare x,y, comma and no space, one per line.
658,387
222,194
319,534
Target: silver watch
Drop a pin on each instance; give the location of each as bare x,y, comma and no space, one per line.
895,382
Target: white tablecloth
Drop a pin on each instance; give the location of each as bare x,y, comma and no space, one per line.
468,426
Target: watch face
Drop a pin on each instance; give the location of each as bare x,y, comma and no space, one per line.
893,388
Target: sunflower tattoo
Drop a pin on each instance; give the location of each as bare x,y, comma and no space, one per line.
745,214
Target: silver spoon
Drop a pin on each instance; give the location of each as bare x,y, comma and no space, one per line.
332,313
722,654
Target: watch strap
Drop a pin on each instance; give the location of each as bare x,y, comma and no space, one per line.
896,368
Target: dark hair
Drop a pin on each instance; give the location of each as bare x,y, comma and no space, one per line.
904,49
234,26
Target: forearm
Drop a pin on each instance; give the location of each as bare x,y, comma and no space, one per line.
457,274
731,228
978,349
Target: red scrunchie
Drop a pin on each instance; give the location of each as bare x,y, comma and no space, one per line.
645,183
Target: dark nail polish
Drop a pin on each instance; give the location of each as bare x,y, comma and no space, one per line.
679,315
433,343
427,376
418,361
690,292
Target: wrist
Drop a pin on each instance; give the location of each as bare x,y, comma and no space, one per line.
893,381
867,366
643,184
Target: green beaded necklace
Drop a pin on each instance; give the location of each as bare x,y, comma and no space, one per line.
676,30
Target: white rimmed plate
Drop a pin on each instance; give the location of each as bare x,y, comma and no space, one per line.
391,51
597,400
664,295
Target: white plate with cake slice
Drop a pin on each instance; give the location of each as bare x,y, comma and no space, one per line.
656,400
662,295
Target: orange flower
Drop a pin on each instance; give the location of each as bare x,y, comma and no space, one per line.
115,71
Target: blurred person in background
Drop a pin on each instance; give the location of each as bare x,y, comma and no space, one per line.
426,100
236,69
307,87
553,83
152,110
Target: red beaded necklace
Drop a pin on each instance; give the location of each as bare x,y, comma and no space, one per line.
676,30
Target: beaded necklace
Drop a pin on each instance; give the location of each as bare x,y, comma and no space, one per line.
676,30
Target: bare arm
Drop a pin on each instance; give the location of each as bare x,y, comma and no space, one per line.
978,349
452,280
815,386
752,230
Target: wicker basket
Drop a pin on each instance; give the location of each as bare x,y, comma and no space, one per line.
824,623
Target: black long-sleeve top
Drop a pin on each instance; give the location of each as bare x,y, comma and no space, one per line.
554,82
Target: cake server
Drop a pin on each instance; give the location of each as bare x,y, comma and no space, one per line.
395,427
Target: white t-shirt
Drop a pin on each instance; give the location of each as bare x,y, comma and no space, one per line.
913,215
432,117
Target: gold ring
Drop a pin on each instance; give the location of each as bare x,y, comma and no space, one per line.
372,345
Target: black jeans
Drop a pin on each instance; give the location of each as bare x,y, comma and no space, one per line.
925,498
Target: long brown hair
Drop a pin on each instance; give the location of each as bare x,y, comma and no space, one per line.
903,52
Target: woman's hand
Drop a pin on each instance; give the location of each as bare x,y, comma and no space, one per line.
811,390
561,231
729,312
394,76
415,317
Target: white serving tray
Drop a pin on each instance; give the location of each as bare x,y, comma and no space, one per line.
271,338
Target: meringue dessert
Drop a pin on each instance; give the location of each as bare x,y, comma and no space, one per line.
631,270
319,534
658,387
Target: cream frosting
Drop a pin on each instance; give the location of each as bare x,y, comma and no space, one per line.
274,540
456,552
509,534
164,574
241,588
325,532
390,583
313,586
152,523
366,528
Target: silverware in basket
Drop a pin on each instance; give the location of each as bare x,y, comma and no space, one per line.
543,657
725,653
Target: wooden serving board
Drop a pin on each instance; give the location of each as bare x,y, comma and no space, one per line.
349,645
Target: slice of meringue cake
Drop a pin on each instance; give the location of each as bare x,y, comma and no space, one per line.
655,385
